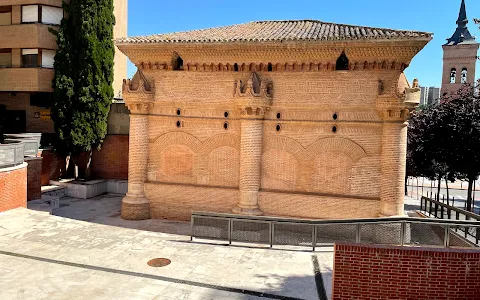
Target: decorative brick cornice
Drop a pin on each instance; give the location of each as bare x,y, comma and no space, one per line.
288,56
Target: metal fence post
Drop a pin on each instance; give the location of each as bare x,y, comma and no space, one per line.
230,228
314,237
446,238
191,228
358,238
402,233
270,234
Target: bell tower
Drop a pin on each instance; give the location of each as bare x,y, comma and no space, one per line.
459,55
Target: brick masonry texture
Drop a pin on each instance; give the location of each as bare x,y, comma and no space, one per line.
296,138
111,162
371,272
13,187
52,166
34,178
458,57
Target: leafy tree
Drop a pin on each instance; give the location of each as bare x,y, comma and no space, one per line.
426,153
461,134
83,78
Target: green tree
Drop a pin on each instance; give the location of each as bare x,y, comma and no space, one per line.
83,79
461,134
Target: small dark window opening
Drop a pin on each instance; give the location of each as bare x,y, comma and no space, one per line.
177,63
335,116
225,125
179,112
278,127
279,115
235,67
334,129
270,68
179,124
225,114
342,62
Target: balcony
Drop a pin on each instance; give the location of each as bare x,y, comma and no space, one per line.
27,36
26,80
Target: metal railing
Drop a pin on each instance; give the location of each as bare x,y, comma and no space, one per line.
11,154
439,210
313,233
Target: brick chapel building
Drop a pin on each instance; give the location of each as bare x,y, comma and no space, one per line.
288,118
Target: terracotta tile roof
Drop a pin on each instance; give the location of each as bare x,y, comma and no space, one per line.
264,31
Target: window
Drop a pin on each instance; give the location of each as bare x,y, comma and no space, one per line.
342,62
30,14
51,15
235,67
177,62
41,99
453,75
29,58
48,58
464,75
42,14
5,58
5,15
270,67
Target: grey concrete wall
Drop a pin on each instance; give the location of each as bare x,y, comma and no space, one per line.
118,119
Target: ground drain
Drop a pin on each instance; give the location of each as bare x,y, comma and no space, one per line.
159,262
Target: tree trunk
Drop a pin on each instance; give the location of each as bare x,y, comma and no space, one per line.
438,188
69,168
469,195
82,161
448,193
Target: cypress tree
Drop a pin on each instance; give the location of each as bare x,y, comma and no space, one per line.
83,79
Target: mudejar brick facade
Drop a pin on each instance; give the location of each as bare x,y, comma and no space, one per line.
289,118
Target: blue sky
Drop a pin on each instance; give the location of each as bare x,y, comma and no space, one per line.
437,16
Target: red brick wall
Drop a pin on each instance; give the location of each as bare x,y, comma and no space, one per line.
13,187
52,166
34,178
376,272
111,162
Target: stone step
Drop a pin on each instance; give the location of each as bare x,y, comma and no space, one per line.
54,191
47,204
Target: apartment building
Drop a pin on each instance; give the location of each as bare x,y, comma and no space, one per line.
27,51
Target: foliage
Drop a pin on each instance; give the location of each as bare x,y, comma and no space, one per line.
83,75
444,139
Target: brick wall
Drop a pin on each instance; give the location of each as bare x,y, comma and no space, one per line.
34,178
13,187
111,162
376,272
52,166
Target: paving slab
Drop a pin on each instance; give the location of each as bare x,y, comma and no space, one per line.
99,256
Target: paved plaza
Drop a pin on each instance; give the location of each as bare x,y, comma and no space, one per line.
89,252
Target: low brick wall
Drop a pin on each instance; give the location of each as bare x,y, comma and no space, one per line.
13,187
52,166
377,272
34,178
111,162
